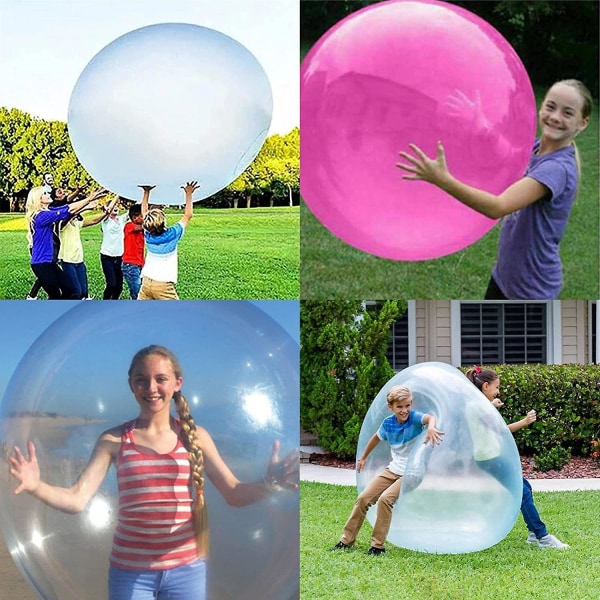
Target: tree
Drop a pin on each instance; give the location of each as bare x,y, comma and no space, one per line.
343,366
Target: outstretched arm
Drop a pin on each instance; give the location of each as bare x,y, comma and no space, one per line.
280,473
433,435
371,444
518,195
527,420
189,188
146,197
81,205
69,500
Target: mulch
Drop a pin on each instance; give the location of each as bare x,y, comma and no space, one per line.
578,467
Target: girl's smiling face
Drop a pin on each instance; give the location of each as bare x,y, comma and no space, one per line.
492,389
153,383
561,117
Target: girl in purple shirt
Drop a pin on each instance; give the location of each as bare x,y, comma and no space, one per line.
40,219
536,207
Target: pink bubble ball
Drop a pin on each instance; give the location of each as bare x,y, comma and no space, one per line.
403,72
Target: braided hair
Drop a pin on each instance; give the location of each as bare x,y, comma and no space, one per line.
190,442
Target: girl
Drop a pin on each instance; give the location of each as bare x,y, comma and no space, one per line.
159,274
488,383
162,526
111,250
71,251
40,220
528,265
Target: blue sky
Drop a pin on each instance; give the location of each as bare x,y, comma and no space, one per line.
45,44
23,322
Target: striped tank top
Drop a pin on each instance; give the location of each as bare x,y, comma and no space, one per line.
155,528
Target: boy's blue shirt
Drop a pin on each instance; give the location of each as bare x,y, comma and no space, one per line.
400,433
166,242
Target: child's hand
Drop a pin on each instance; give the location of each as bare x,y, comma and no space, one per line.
190,187
424,168
361,464
147,188
434,436
282,473
27,472
497,402
531,417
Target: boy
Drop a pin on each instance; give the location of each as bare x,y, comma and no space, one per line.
159,274
133,255
399,430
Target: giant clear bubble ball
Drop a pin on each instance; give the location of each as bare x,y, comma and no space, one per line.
240,372
463,495
167,104
403,72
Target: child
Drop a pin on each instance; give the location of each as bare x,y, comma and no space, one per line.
161,537
40,223
111,250
75,281
159,274
536,207
488,382
133,255
399,430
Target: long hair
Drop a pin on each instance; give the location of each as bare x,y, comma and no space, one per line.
32,207
586,111
479,376
190,442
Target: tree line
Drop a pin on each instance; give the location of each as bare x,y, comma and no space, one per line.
30,147
555,39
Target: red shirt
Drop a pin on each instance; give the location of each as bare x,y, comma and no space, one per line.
155,527
134,245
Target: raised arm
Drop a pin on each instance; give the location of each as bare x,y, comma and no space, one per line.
433,435
75,498
146,197
282,473
189,188
80,205
527,420
518,195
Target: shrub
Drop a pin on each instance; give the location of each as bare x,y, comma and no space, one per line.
552,460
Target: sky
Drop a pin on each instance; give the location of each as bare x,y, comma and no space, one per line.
46,44
24,321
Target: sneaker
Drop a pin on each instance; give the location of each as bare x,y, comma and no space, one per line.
550,541
341,546
28,297
531,539
375,551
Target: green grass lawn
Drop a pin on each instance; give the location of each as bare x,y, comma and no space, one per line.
510,569
224,254
332,269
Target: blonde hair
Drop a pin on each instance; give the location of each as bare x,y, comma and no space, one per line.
155,221
32,207
398,393
190,442
586,111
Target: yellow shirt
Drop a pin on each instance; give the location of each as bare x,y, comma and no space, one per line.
71,248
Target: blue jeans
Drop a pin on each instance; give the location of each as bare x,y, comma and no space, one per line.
75,275
133,276
530,513
187,582
111,267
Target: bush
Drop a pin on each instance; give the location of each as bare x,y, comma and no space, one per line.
553,460
566,399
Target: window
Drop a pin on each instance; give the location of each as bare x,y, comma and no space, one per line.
397,352
498,332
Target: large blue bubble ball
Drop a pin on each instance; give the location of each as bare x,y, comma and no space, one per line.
166,104
240,377
463,495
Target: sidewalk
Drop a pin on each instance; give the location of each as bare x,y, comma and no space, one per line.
336,476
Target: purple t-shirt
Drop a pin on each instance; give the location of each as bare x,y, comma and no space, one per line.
528,266
42,250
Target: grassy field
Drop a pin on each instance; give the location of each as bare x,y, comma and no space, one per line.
511,569
332,269
224,254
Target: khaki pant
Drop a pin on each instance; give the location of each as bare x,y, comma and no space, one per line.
157,290
384,489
